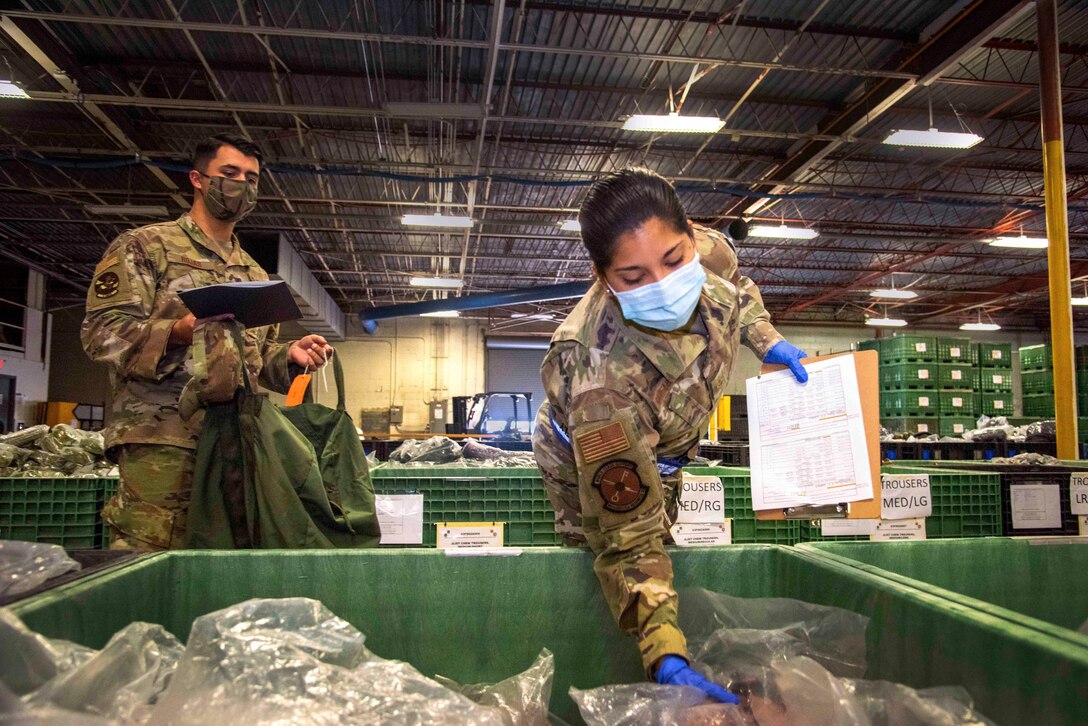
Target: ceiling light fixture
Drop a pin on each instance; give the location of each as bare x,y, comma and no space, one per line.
441,314
127,210
9,89
673,123
571,225
411,109
932,137
981,327
782,232
1080,301
1021,242
435,220
437,283
885,322
894,294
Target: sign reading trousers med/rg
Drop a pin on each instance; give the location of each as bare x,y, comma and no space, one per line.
905,496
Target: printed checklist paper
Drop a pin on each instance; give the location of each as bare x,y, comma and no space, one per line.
808,441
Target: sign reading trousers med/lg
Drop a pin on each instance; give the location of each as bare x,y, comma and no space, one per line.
905,496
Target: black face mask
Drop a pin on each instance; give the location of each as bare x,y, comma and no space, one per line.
229,200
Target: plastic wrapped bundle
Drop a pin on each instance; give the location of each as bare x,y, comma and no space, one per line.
790,662
521,700
28,660
473,449
435,450
26,436
26,565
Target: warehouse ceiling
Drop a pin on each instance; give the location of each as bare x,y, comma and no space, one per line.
507,111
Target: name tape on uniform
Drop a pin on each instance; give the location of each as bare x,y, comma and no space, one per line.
702,499
905,496
703,534
1078,494
469,535
899,530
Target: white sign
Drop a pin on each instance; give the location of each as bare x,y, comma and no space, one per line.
920,347
702,499
923,373
923,428
923,401
905,496
400,517
1082,525
999,404
958,428
469,535
957,402
1036,506
898,530
954,353
995,354
703,534
1078,493
999,380
957,375
845,527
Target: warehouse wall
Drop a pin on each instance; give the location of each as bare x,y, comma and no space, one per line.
31,366
411,362
73,376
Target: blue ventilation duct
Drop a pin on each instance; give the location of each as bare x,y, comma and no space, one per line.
475,302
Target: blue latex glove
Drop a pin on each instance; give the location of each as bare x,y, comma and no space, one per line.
786,354
675,671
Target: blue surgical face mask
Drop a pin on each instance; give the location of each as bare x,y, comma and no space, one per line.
666,304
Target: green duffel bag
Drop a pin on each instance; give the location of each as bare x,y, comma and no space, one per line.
272,478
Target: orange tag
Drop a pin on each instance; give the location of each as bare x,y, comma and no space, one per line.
297,393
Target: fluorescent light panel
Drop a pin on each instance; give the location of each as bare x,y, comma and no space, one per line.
438,283
442,314
885,322
129,210
932,138
673,124
981,327
1021,242
436,220
1080,301
894,294
571,225
10,90
782,232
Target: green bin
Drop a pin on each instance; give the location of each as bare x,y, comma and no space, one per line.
1021,579
955,350
479,619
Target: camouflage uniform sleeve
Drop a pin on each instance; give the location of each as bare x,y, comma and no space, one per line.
623,516
276,374
756,330
118,329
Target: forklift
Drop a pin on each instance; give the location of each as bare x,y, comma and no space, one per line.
478,415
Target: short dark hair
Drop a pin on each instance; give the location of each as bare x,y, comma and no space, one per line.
207,149
622,202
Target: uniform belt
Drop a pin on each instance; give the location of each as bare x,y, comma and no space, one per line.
666,465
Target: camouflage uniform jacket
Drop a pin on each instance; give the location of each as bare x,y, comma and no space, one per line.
626,395
131,306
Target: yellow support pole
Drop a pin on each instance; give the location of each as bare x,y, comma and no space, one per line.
1057,231
725,415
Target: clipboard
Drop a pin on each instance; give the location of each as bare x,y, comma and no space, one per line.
867,363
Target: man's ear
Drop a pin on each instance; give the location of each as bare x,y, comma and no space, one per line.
196,179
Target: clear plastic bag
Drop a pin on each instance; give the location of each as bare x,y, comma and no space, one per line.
122,681
435,450
522,700
26,565
28,660
650,704
293,661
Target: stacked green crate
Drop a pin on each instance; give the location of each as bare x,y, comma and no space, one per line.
993,379
956,377
909,395
1037,381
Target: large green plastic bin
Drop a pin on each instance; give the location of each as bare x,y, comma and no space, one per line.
483,618
1038,582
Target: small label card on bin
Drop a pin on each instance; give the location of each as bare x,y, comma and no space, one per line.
905,496
892,530
1078,494
470,535
400,517
847,527
703,534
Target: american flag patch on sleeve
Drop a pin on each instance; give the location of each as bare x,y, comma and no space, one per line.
602,442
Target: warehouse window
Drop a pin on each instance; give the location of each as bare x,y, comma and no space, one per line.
14,280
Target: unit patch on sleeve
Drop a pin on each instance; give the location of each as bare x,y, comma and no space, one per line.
620,486
602,442
107,285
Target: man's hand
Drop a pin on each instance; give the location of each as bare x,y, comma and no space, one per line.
182,332
312,351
